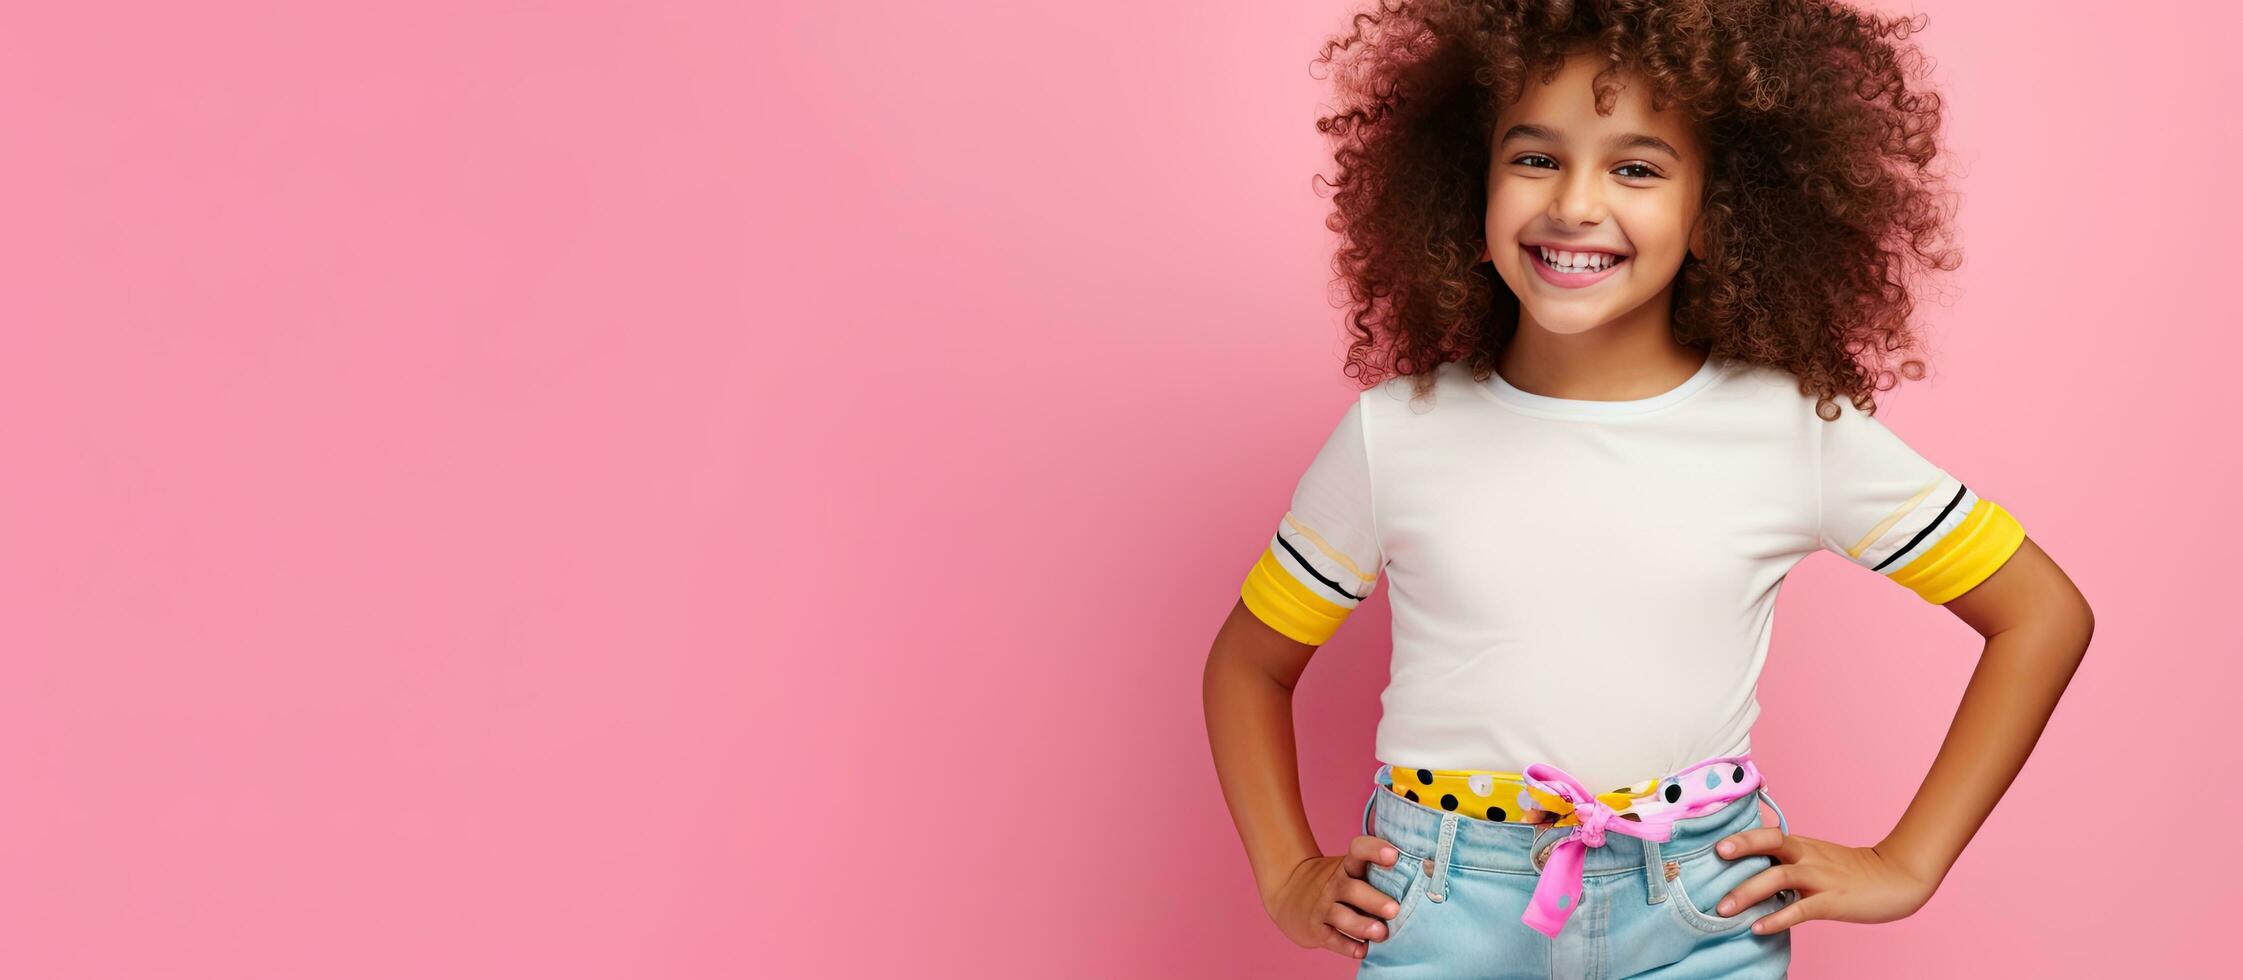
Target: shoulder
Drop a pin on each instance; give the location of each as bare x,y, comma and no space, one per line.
1764,381
1775,391
1450,385
1781,385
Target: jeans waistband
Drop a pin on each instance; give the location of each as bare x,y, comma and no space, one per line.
1682,814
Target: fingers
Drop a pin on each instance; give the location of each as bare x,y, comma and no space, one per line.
1367,897
1797,912
1345,947
1367,848
1757,888
1355,924
1759,840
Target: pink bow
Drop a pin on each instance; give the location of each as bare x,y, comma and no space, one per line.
1591,815
1558,892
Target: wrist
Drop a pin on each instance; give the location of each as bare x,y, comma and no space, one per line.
1921,863
1272,885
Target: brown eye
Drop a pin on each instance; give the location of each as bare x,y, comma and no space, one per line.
1532,156
1647,171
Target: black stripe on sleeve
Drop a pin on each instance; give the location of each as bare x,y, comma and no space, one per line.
1319,576
1927,529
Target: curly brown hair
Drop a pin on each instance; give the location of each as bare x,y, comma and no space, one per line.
1820,204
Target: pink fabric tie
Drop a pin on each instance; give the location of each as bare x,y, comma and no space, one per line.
1558,891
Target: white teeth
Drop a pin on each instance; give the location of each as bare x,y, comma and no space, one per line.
1577,261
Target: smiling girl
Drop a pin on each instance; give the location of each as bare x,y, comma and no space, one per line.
1634,269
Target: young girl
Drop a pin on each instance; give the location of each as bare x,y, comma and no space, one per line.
1632,266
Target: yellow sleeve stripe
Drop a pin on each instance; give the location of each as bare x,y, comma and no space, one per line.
1984,540
1326,548
1893,518
1275,597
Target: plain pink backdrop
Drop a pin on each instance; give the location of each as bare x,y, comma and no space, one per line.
696,490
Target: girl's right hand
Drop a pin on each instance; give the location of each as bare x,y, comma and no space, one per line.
1324,902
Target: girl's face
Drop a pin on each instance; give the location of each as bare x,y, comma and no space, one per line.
1563,177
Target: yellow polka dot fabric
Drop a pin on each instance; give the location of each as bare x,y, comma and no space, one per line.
1504,797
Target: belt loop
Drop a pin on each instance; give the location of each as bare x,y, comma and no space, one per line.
1783,827
1439,890
1654,873
1781,824
1379,780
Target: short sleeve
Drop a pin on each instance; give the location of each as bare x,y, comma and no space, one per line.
1885,507
1324,557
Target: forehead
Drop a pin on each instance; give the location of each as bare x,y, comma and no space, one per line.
1567,105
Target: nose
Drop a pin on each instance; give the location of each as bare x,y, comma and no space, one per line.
1580,199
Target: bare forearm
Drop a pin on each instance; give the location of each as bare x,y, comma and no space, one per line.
1250,731
2008,702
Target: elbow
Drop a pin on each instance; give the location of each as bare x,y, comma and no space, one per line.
2074,622
2078,614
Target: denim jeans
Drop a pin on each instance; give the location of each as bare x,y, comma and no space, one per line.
1646,908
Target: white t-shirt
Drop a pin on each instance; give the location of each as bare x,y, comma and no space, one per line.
1592,584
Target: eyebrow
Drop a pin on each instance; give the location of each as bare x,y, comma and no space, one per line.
1624,141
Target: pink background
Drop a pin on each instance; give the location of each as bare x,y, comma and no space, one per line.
692,490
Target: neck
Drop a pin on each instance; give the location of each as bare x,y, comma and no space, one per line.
1619,361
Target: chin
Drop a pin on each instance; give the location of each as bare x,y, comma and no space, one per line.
1565,322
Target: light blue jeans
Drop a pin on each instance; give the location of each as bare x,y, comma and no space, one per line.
1646,906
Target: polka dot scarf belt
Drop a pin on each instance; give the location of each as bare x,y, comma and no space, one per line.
1546,794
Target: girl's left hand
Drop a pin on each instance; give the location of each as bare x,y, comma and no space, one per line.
1848,884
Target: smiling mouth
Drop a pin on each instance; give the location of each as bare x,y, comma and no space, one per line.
1534,252
1572,282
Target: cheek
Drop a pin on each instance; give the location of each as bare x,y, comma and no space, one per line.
1656,229
1509,210
1517,199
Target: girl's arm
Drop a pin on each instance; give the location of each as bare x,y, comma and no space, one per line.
1318,901
2036,626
